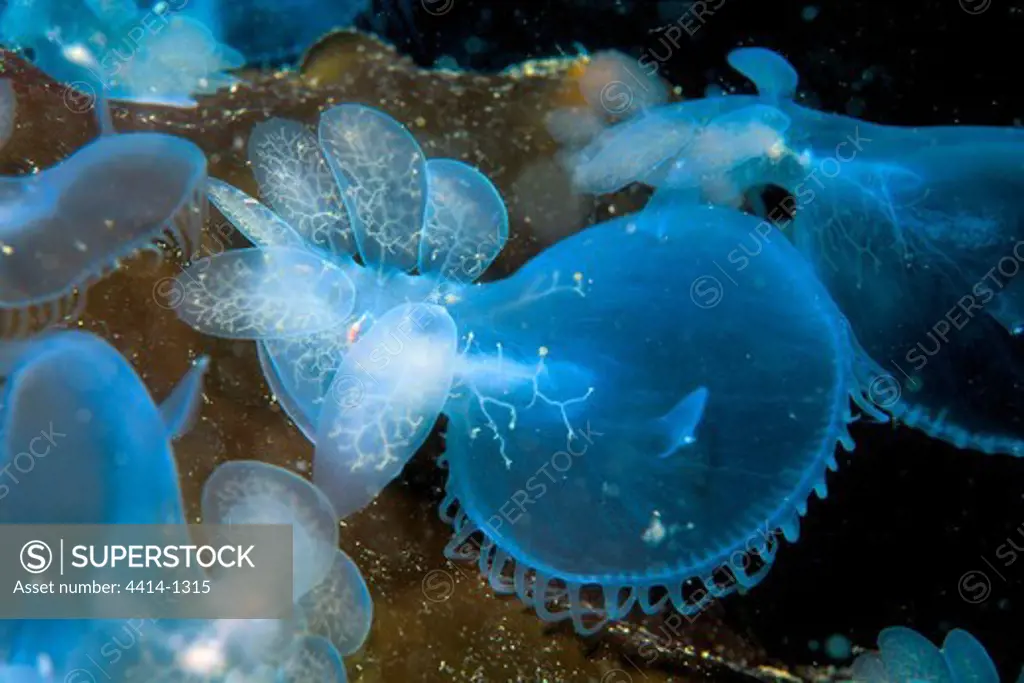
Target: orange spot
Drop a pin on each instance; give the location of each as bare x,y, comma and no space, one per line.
353,331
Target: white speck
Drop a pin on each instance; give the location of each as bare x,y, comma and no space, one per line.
203,658
655,532
44,665
78,54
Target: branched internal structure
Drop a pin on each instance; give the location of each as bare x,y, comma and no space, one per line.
542,288
512,376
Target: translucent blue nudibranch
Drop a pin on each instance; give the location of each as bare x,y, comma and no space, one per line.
357,187
636,419
916,233
69,225
84,443
72,388
94,462
332,612
681,407
155,55
906,655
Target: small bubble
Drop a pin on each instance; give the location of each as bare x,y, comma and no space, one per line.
838,647
476,45
810,13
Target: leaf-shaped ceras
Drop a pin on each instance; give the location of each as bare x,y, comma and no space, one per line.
382,172
265,293
297,183
386,395
466,223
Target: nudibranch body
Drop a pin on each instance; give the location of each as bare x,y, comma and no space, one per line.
160,55
906,655
609,433
73,388
916,233
358,187
333,609
383,402
705,424
64,403
70,225
79,458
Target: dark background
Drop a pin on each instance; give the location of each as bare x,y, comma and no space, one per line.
906,518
